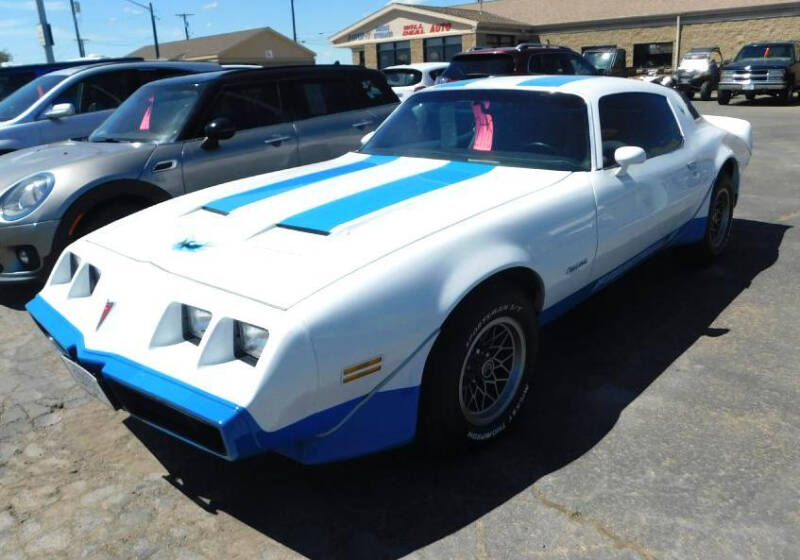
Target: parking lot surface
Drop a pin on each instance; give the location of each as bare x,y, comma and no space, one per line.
665,425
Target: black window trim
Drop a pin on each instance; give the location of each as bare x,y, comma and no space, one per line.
600,127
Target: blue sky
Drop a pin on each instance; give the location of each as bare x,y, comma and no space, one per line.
116,27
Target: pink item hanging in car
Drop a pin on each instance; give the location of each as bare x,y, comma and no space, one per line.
484,127
145,124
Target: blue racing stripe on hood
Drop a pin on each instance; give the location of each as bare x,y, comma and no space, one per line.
552,81
323,219
236,201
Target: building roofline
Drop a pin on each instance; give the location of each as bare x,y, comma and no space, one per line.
403,7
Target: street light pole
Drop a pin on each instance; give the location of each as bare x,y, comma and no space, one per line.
47,35
77,31
155,33
294,28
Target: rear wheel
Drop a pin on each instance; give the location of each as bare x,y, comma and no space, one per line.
723,97
750,96
719,222
705,90
478,374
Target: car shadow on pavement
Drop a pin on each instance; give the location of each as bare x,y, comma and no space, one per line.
594,362
15,297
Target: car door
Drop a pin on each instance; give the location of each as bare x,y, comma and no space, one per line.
638,208
94,98
329,117
265,139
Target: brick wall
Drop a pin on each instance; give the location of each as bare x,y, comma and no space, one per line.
370,56
417,54
623,38
730,36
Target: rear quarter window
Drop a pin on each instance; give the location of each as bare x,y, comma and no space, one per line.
371,91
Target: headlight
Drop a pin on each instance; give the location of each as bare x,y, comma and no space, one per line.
195,323
249,341
26,196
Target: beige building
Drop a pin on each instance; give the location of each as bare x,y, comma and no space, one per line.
263,46
653,32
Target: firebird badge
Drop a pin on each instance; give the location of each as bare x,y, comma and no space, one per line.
106,310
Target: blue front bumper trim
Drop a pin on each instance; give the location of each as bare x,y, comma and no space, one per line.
387,422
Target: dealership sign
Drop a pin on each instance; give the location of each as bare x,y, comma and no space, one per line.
404,27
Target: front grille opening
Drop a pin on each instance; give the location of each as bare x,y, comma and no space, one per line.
166,417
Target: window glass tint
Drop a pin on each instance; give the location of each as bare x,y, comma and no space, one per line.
150,75
392,54
154,113
765,51
577,65
12,81
370,92
479,66
441,49
249,105
492,40
514,128
16,103
559,63
637,119
434,74
402,77
102,91
315,97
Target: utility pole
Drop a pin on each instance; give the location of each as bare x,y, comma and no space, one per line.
149,7
294,28
185,18
47,34
75,7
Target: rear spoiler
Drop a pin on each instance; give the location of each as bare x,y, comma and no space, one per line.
740,128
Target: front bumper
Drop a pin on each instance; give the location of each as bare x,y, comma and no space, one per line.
693,81
751,86
39,236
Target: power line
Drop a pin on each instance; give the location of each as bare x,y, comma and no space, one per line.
149,7
185,18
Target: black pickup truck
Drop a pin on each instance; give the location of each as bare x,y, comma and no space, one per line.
771,68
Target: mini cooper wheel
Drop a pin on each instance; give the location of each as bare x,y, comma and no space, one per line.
477,376
719,222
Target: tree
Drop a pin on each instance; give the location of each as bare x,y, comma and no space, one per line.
5,56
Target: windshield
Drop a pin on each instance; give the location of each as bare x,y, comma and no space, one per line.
515,128
598,59
402,77
16,103
765,51
154,113
479,66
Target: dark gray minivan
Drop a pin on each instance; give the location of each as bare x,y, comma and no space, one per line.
175,136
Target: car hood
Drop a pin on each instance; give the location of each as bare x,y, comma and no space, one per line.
58,157
757,64
280,237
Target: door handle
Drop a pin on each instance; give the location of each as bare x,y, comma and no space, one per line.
277,140
361,125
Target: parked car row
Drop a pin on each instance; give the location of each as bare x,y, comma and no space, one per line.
201,126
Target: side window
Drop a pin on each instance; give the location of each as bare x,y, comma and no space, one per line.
370,92
546,64
106,90
249,105
576,65
638,119
434,74
150,75
314,97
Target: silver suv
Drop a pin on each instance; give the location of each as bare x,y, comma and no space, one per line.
175,136
72,102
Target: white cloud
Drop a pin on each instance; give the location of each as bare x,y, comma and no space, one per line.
53,6
211,5
132,11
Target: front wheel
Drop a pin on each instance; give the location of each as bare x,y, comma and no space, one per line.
785,96
477,376
723,97
719,221
705,90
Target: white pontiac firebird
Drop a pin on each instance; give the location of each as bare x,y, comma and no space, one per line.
349,306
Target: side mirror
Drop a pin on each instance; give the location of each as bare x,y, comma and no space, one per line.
59,111
627,156
367,137
221,128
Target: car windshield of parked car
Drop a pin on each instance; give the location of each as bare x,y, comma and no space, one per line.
764,51
154,113
599,59
512,128
402,77
15,104
478,66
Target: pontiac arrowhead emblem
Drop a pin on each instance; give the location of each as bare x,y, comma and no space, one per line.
106,310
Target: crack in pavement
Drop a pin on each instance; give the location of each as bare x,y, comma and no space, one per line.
578,517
